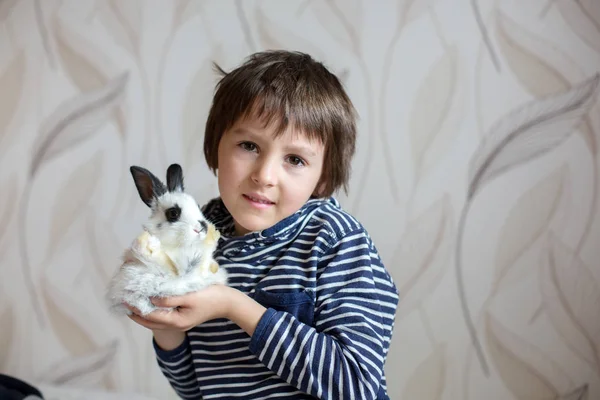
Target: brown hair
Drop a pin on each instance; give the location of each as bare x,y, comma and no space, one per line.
283,87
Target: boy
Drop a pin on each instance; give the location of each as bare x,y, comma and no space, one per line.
309,309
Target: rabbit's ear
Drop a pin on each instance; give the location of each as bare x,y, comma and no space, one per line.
175,178
149,186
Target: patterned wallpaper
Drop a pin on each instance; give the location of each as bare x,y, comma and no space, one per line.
476,174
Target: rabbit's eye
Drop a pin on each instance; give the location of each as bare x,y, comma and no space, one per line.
173,213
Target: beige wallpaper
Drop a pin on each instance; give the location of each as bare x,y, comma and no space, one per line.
476,174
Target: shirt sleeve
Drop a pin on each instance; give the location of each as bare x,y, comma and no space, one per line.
177,366
343,355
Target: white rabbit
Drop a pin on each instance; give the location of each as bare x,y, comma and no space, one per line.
174,254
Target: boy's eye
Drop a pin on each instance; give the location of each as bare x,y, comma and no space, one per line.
248,146
296,161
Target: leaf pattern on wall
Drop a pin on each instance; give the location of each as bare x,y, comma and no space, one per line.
119,27
11,81
428,380
342,19
411,10
72,199
272,36
86,370
527,372
423,253
196,106
6,8
536,75
583,16
7,319
82,72
539,77
571,296
581,393
8,203
104,248
530,131
76,120
185,10
431,110
66,328
536,206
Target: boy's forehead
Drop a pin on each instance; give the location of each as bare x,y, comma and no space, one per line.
263,126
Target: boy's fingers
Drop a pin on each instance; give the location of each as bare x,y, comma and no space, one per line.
148,323
132,309
167,302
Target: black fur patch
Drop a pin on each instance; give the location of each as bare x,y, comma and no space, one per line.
172,214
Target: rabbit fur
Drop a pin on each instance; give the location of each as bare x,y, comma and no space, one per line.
174,253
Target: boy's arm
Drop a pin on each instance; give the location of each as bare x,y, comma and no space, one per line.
343,355
175,361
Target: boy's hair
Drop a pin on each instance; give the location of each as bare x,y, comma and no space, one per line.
283,87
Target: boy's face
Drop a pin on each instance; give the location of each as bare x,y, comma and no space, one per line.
263,179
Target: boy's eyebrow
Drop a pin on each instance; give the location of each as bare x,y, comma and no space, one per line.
292,149
303,150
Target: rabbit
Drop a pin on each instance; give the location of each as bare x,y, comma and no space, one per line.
173,255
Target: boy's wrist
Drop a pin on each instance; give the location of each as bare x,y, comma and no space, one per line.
244,311
168,340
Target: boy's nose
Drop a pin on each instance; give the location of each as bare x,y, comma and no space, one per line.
265,173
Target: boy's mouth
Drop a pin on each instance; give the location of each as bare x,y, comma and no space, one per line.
258,200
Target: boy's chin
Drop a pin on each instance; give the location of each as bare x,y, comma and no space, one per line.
250,224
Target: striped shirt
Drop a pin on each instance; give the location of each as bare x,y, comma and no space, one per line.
329,320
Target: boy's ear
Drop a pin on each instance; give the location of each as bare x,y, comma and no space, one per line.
318,192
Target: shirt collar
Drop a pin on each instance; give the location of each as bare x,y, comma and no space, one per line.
216,212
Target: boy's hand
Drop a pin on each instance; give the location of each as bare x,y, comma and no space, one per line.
192,309
215,301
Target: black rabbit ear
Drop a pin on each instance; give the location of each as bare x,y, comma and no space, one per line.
175,178
149,186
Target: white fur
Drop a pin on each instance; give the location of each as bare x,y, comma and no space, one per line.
146,272
142,276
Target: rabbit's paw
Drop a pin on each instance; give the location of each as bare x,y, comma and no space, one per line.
144,246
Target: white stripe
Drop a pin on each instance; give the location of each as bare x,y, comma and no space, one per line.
220,352
345,284
320,372
308,336
327,274
223,343
270,338
282,337
287,352
248,393
257,365
226,361
355,332
237,375
377,356
291,277
349,260
176,363
350,314
307,360
331,369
